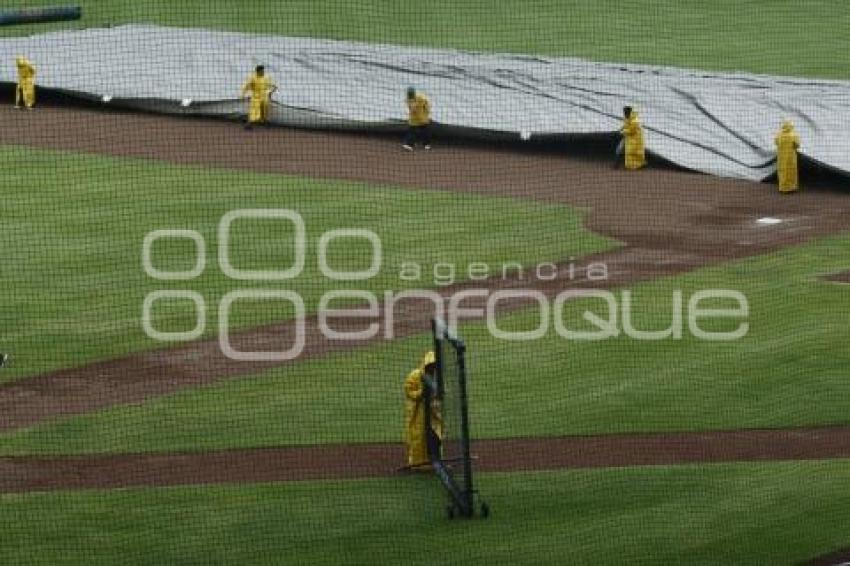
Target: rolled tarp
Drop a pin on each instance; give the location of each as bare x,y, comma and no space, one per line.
11,17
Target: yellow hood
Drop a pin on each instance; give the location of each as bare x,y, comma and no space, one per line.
428,359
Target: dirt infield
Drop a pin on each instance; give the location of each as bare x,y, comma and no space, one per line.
669,222
21,474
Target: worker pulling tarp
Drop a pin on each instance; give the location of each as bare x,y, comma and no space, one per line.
722,124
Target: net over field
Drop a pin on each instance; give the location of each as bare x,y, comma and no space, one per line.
448,430
226,228
451,413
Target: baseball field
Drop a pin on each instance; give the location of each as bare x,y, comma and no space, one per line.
118,447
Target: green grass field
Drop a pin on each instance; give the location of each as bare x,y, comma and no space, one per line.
73,231
766,36
790,370
724,514
78,286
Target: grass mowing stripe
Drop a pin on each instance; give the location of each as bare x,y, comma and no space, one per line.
778,513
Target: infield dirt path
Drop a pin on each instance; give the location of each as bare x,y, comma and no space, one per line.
358,461
668,221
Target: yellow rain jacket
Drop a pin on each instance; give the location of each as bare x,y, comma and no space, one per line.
26,83
414,414
633,135
260,89
787,144
419,110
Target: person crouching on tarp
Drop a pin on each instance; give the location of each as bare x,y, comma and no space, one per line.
631,146
25,90
787,144
415,435
260,89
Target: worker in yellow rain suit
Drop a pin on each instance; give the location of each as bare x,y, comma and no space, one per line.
418,120
414,413
632,145
787,144
26,83
259,88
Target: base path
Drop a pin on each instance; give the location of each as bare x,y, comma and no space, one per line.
358,461
668,221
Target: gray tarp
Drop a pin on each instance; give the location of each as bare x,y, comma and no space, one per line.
721,124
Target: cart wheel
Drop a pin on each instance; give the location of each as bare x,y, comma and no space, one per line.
450,512
485,510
